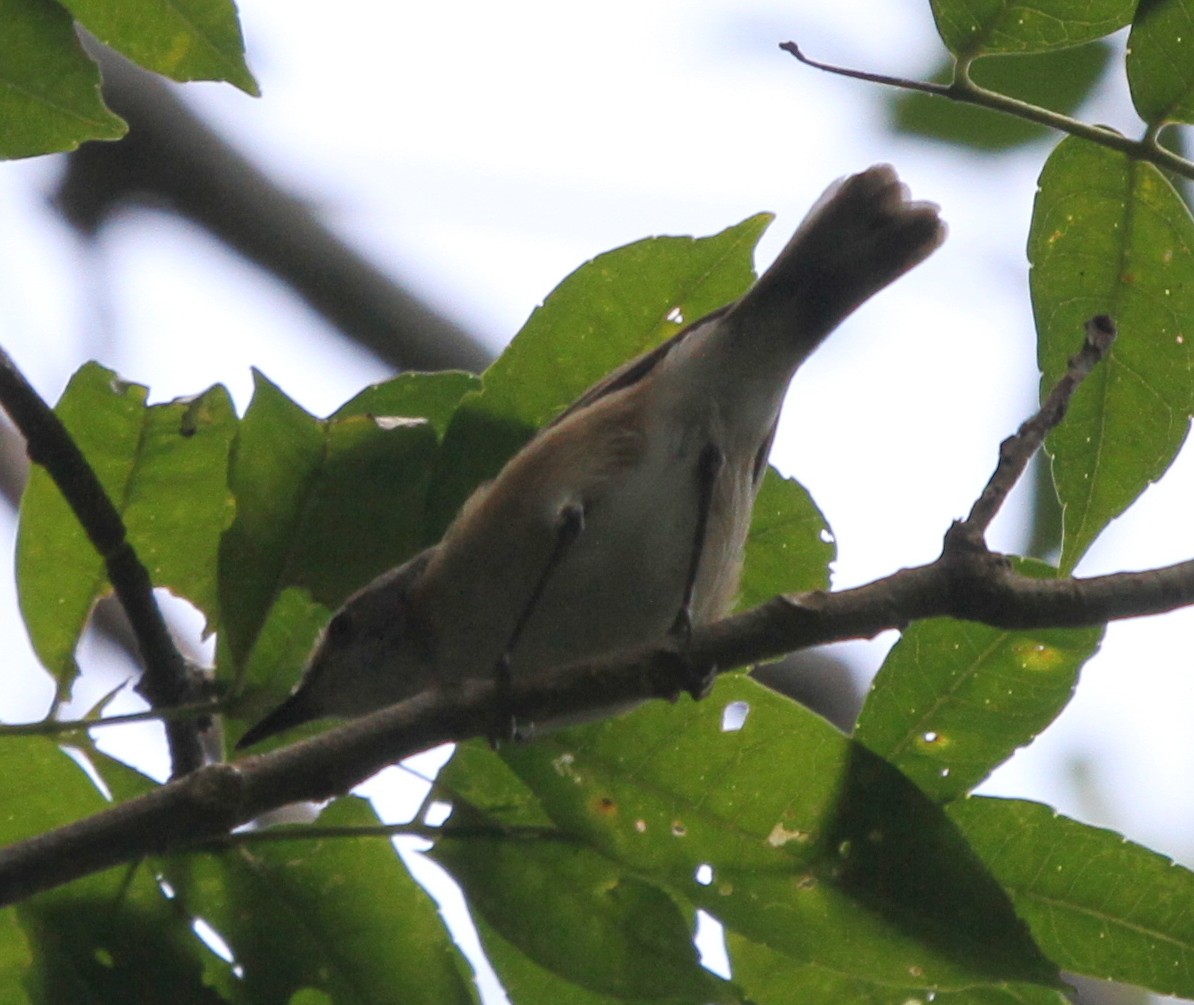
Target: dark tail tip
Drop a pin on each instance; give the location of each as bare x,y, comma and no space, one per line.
862,234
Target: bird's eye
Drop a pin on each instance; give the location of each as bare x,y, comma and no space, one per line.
339,630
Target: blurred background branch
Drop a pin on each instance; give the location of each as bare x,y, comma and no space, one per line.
172,159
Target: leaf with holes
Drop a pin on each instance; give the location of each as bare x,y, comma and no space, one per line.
575,913
784,830
954,699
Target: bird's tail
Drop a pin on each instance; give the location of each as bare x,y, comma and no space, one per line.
862,234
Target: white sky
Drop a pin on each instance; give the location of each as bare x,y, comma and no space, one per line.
480,152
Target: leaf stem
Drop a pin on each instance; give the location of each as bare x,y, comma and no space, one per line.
964,89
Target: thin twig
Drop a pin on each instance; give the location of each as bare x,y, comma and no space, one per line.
1016,451
965,90
166,680
318,832
53,727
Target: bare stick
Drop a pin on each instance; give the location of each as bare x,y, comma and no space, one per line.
1016,451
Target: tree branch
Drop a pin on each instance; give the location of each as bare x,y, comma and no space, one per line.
968,582
964,89
166,680
1016,451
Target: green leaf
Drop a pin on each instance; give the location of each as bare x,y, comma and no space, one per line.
1059,80
122,781
49,88
16,960
431,396
575,917
114,939
611,309
784,830
1161,61
1111,236
771,978
45,782
324,505
339,915
789,548
1096,903
181,39
1044,535
164,468
274,663
111,937
954,699
971,28
602,315
525,981
581,916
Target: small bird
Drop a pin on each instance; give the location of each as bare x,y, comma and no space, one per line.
623,521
